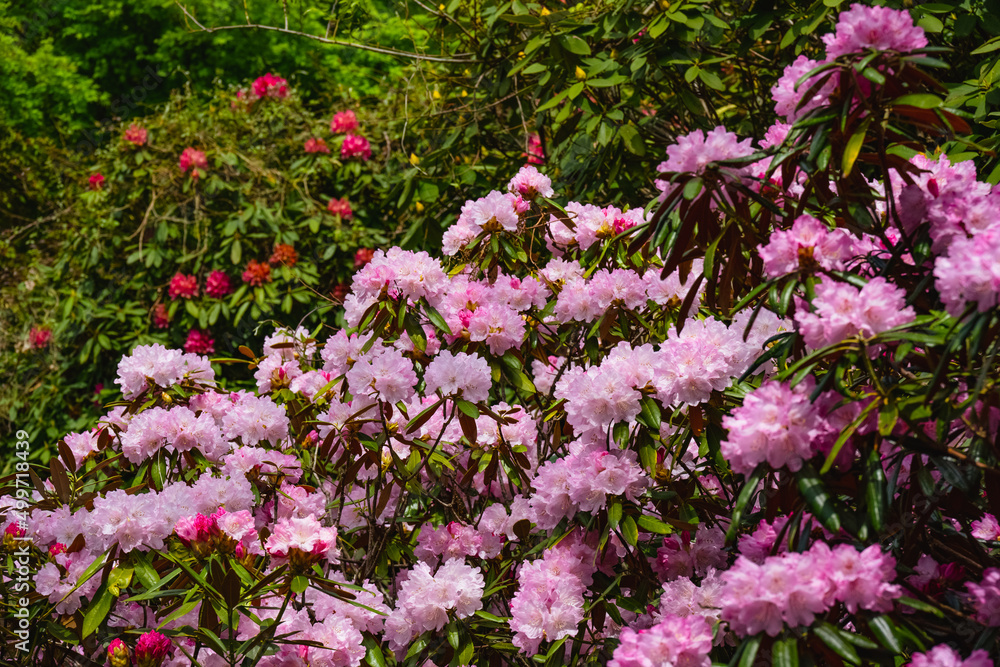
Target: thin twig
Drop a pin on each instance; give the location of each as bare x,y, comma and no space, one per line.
327,40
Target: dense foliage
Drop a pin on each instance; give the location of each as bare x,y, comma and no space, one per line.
757,422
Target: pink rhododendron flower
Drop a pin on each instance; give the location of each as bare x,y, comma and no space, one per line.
199,341
548,603
840,311
136,135
314,145
969,272
807,245
82,444
986,597
183,287
343,122
340,207
96,182
862,28
673,641
530,183
945,656
355,146
193,159
217,284
775,424
694,152
270,85
465,375
788,92
257,273
302,541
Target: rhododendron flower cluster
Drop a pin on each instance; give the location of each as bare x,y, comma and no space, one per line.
340,207
183,287
136,135
199,341
355,146
672,642
343,122
270,85
39,337
96,182
426,598
257,273
841,311
316,145
217,284
193,159
793,588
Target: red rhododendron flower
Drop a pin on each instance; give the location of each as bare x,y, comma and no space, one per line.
355,146
151,649
96,181
257,273
340,207
362,257
192,157
217,284
199,341
316,146
270,85
161,318
343,121
135,134
340,291
39,337
283,254
184,287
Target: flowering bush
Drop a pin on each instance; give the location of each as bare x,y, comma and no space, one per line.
755,422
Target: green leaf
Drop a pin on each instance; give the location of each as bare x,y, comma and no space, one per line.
236,252
614,514
653,525
831,636
919,100
468,408
98,610
887,418
300,584
435,317
693,188
574,44
786,652
817,498
180,611
885,631
876,494
746,493
853,148
523,382
633,142
629,530
650,415
750,647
